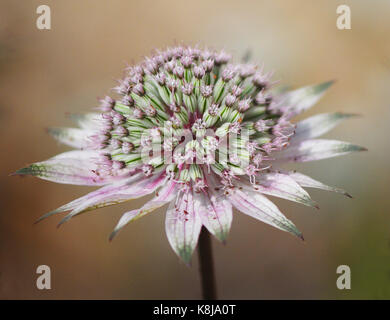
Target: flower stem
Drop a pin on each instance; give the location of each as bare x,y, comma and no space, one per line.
206,266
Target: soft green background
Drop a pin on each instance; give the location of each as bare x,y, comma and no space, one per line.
45,74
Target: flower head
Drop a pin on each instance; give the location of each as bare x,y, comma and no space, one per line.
203,134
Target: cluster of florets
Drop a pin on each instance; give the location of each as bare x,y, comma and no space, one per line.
189,111
201,133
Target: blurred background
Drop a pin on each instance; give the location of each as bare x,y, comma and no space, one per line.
46,74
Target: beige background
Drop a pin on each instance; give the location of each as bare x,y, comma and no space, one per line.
45,74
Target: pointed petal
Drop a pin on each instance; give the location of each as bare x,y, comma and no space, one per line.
308,182
182,226
215,212
102,191
73,167
73,137
318,125
315,149
129,188
282,186
115,194
165,195
89,121
260,208
304,98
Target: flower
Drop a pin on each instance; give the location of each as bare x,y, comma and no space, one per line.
203,134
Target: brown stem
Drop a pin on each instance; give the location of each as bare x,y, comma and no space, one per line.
206,266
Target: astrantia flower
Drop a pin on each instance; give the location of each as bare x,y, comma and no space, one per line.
201,133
